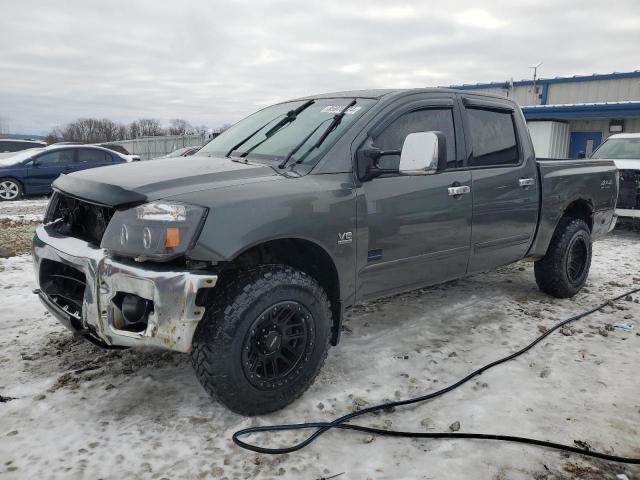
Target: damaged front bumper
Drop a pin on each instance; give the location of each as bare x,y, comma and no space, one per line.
81,285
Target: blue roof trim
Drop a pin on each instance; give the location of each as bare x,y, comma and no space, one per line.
582,111
549,81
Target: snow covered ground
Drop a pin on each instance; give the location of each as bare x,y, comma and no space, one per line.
30,206
29,210
71,410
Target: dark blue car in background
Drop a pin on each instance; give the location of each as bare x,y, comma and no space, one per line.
32,171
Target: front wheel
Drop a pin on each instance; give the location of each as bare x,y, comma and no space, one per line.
563,271
263,339
10,189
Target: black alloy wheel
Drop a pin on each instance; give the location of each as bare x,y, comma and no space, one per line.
577,258
276,343
564,269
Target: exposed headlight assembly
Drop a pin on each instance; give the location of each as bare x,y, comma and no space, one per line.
157,231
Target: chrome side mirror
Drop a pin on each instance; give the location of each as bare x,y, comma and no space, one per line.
423,153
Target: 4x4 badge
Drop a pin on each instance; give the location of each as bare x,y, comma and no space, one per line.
344,238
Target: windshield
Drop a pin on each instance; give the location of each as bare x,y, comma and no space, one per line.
279,144
20,156
619,149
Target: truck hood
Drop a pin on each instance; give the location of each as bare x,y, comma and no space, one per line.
627,164
130,183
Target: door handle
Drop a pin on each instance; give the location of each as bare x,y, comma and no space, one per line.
526,182
461,190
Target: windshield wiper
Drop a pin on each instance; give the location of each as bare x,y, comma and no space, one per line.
337,118
247,138
290,117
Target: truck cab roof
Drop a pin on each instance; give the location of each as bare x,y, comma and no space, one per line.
378,93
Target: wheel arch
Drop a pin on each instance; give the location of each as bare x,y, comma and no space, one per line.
302,254
581,208
576,207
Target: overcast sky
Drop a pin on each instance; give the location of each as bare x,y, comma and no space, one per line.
215,62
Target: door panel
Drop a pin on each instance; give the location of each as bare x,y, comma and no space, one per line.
47,167
505,215
504,183
415,233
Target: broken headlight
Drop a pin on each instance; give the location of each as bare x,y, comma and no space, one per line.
154,231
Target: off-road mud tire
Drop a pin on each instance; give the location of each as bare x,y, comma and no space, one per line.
221,337
571,240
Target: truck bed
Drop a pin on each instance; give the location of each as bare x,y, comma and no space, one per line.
592,183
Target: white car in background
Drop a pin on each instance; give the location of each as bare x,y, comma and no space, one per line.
624,150
11,146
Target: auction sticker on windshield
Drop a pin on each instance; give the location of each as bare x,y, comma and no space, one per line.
339,108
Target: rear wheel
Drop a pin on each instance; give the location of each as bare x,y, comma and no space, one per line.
563,271
10,189
263,339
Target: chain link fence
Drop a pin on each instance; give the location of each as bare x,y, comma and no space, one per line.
151,147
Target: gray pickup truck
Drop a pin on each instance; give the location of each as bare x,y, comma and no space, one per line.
247,254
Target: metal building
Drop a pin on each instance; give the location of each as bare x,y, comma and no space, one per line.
571,116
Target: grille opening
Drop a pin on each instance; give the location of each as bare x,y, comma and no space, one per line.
79,219
629,194
64,285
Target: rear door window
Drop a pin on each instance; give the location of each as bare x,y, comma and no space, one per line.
86,155
493,136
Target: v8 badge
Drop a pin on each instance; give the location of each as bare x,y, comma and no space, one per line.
345,237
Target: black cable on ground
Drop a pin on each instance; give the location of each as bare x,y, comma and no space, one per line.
341,422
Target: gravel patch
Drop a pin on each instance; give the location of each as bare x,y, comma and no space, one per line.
18,222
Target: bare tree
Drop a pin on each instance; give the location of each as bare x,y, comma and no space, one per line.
54,136
88,130
179,126
134,130
122,132
108,130
93,130
150,127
